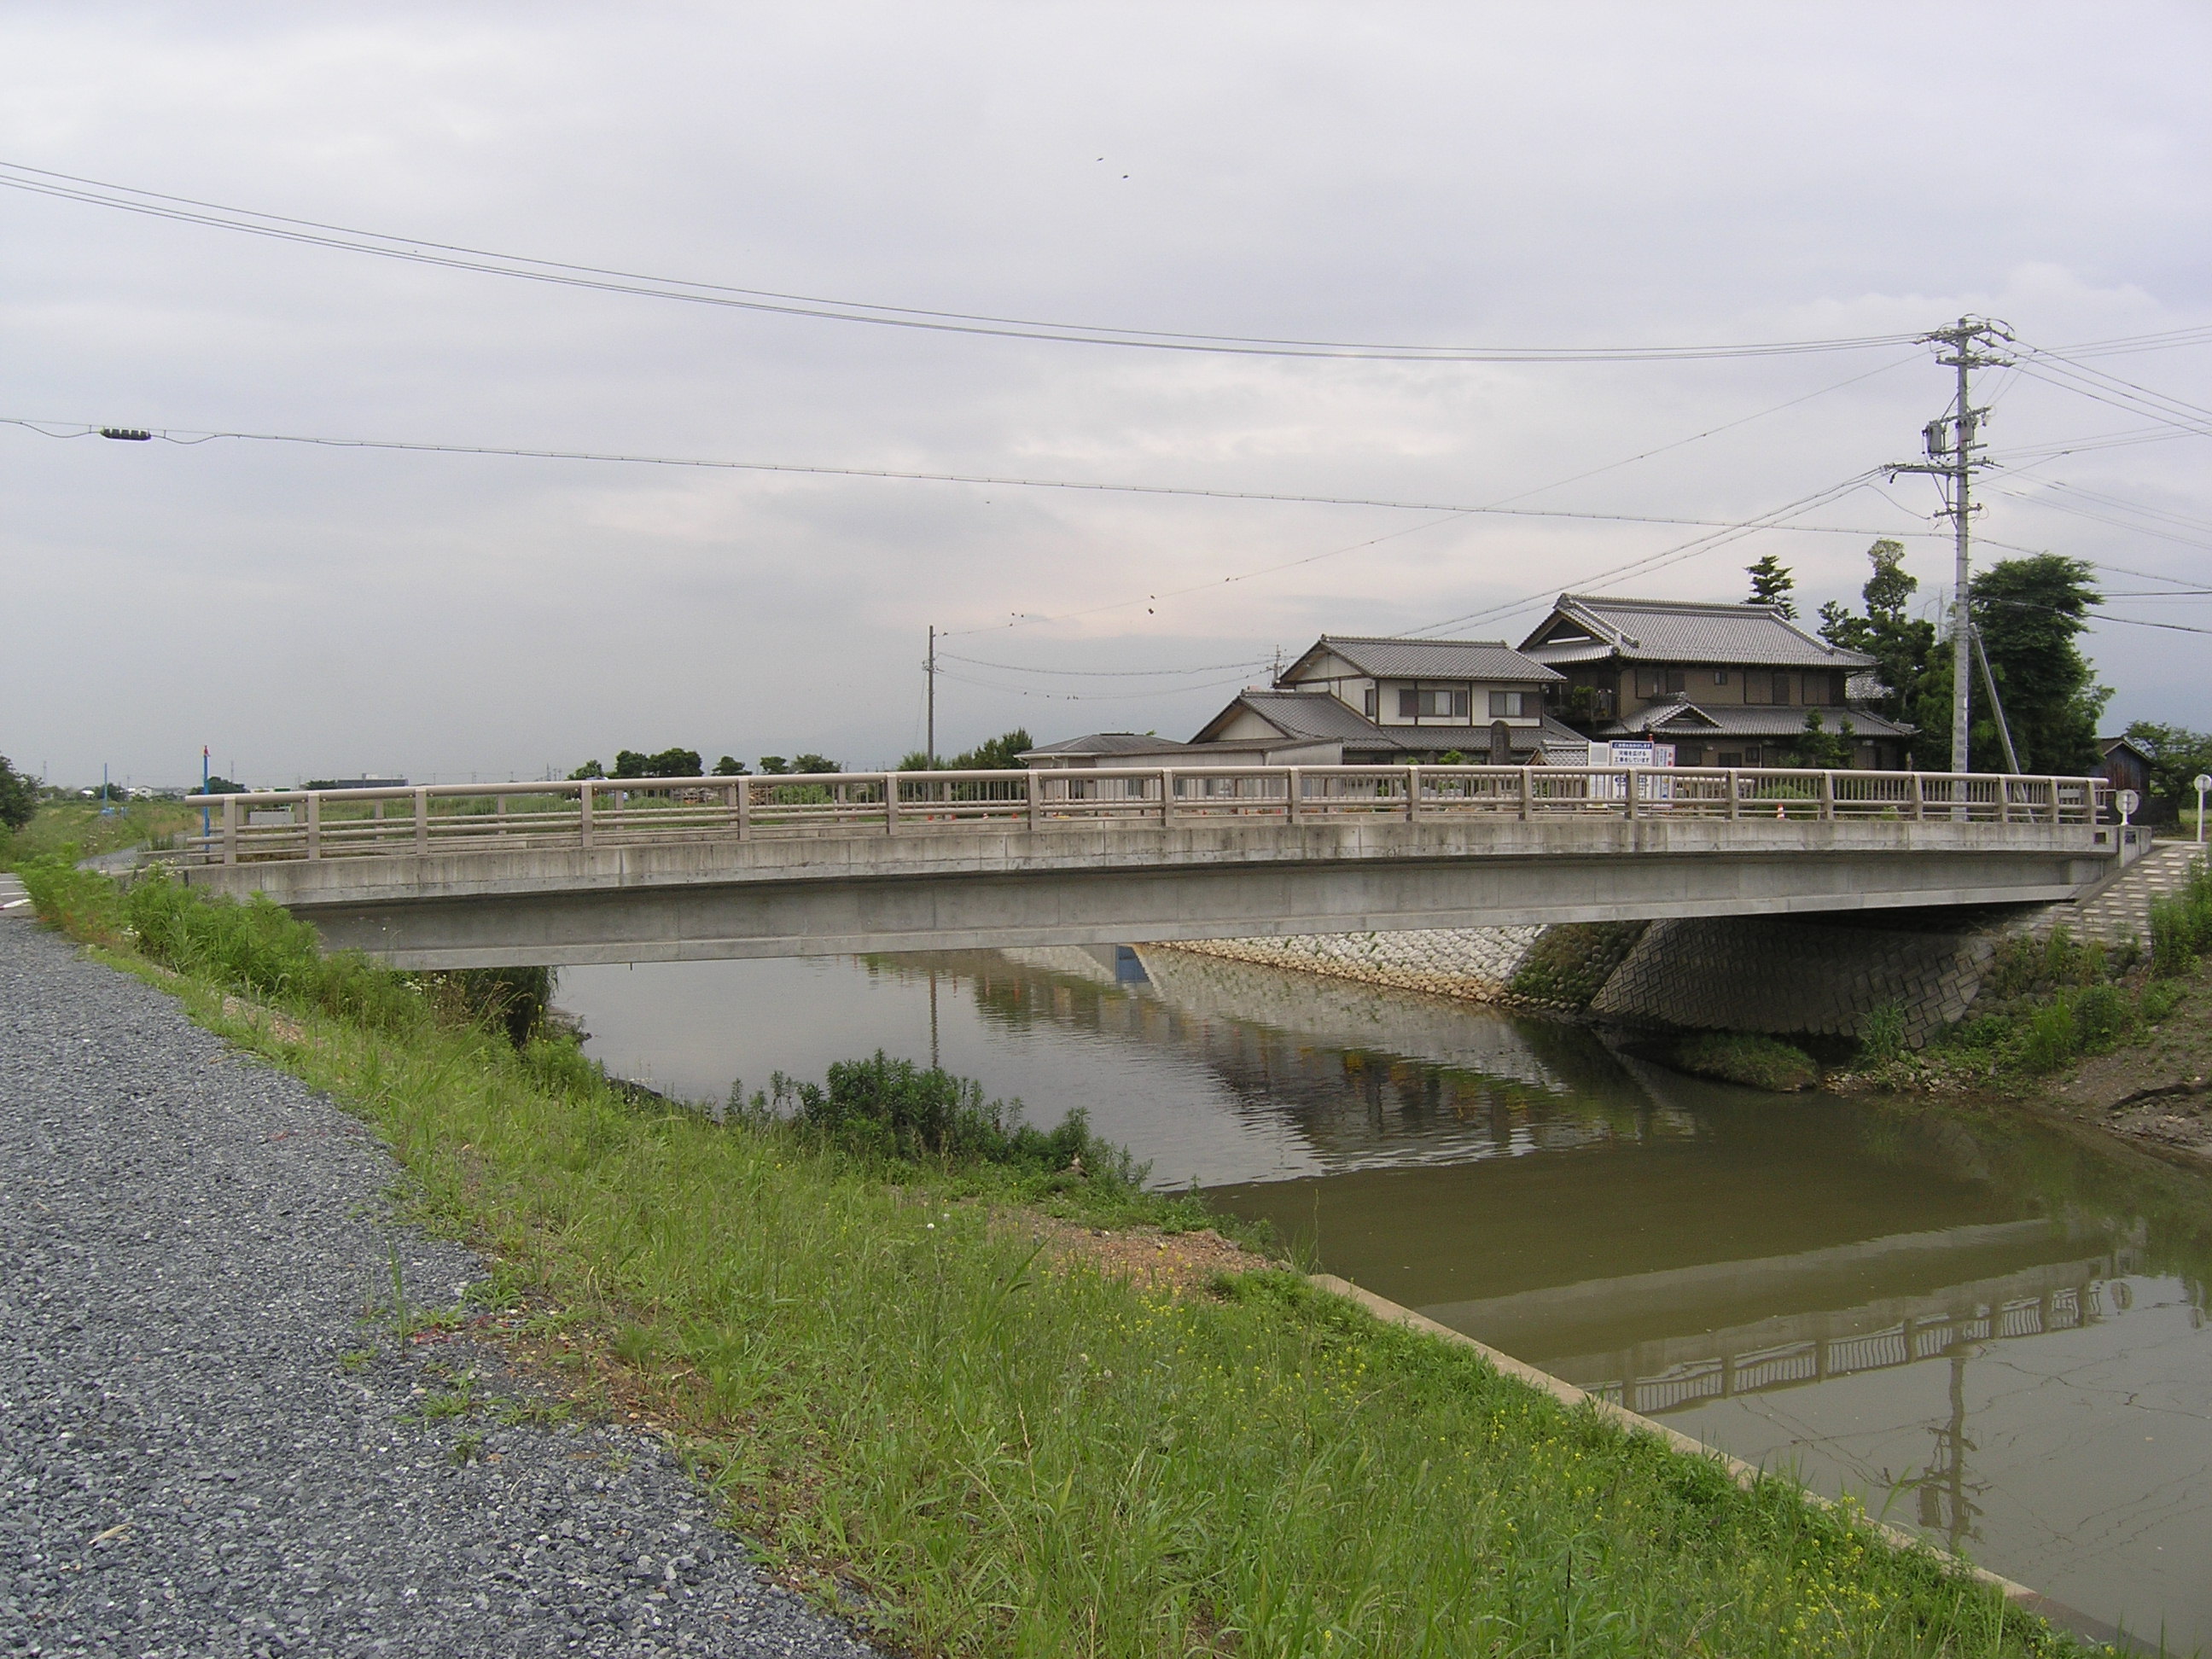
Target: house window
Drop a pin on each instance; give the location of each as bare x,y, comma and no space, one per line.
1720,676
1759,686
1434,702
1658,681
1731,758
1371,702
1751,756
1508,705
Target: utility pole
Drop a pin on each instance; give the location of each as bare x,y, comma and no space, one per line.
1953,443
930,669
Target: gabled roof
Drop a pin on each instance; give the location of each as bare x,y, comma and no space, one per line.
1762,720
2106,745
1109,742
1315,716
1586,628
1382,658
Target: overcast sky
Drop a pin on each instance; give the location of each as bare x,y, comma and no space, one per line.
1573,175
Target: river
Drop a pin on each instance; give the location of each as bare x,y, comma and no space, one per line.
1986,1327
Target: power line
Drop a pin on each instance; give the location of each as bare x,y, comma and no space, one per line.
192,437
1770,520
562,273
1105,673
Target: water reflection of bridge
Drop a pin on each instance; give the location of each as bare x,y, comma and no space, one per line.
1678,1372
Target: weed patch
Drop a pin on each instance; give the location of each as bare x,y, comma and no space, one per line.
1744,1057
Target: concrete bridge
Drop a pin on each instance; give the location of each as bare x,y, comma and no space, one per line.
671,869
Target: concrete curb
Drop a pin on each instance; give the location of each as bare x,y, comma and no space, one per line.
1744,1474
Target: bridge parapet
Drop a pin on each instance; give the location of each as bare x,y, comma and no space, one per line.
584,815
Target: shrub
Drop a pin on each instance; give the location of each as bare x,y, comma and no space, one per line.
2102,1016
2160,998
1881,1033
2049,1039
893,1109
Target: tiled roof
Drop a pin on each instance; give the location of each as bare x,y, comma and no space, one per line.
1310,714
1385,659
1666,630
1748,720
1315,716
1109,742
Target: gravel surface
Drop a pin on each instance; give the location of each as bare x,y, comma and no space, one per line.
205,1447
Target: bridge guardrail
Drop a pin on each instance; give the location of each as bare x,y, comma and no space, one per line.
587,813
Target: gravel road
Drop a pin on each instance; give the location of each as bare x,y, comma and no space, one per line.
190,1465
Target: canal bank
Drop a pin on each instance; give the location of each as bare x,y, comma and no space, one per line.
1752,1270
894,1402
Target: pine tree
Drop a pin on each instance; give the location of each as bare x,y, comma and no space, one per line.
1772,583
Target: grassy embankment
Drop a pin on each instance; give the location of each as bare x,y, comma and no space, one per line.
2047,1003
869,1363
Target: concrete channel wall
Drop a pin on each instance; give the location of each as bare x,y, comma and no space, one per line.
1781,974
1784,975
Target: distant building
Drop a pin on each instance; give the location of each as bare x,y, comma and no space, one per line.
1726,684
355,783
2124,766
1359,701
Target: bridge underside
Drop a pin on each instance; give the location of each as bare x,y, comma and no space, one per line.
839,896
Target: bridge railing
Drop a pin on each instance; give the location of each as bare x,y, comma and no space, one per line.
283,825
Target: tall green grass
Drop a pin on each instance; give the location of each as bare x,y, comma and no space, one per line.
892,1393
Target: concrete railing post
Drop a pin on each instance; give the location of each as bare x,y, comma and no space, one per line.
2051,784
1827,795
230,829
1736,799
1033,788
421,821
1919,806
1167,797
891,803
1412,793
584,815
1294,788
315,825
1527,792
745,794
1633,787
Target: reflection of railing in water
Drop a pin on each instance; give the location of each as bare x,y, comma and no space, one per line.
1820,1359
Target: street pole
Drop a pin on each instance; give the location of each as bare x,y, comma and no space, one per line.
1952,440
932,671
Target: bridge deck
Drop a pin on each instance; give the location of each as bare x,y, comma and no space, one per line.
659,869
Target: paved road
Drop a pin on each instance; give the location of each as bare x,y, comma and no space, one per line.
188,1240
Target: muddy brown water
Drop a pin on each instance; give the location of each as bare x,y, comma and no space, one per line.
1987,1328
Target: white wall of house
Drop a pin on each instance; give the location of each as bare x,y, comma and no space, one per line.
1432,702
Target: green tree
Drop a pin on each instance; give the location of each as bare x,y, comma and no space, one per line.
1901,643
2030,611
813,763
1771,583
1000,754
773,766
590,769
668,763
730,767
220,786
2178,756
19,797
1821,749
